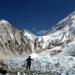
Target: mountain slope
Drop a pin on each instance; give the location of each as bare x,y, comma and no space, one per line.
61,34
13,41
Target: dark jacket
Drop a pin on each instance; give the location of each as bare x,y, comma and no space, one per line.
29,61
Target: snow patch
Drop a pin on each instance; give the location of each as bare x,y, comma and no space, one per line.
34,55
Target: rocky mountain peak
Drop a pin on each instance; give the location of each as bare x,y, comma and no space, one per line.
5,25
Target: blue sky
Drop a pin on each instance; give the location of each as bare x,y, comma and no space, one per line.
37,16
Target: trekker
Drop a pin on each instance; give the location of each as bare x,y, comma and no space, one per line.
28,62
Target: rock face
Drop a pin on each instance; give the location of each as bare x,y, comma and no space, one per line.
49,51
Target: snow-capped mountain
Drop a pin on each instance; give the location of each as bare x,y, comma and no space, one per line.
49,50
14,42
60,36
17,42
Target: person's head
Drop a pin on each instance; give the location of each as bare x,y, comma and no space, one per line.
29,56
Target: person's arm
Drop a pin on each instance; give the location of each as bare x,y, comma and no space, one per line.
32,59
